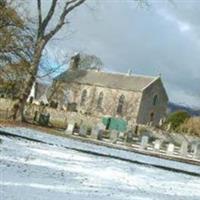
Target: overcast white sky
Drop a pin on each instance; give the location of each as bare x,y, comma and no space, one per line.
162,38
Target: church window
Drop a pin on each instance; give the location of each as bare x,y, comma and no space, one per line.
120,104
100,100
83,97
155,100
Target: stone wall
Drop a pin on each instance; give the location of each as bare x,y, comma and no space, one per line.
109,103
6,103
147,106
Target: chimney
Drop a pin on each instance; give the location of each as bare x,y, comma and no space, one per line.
74,62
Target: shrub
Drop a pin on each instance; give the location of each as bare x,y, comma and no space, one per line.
177,118
191,126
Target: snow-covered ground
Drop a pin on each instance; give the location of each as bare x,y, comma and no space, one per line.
30,170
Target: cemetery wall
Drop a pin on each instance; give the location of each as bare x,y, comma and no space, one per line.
6,103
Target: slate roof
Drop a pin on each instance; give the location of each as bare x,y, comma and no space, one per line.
105,79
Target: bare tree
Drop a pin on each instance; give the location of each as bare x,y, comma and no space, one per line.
15,39
42,38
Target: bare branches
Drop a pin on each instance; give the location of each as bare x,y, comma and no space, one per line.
30,49
49,16
15,38
69,6
39,16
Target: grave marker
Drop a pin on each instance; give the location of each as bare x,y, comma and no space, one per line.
97,133
144,142
129,136
197,151
114,136
83,131
157,145
170,149
184,148
70,129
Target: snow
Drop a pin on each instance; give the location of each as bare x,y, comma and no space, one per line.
30,170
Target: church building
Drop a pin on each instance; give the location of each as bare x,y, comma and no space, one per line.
138,99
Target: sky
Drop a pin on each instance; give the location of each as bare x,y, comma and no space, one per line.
162,37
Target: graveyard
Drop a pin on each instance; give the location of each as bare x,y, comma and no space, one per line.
150,143
111,132
143,144
114,133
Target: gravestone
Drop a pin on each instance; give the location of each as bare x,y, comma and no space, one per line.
184,148
44,119
97,133
170,149
121,135
100,134
70,128
114,136
94,132
144,142
82,131
197,151
129,136
100,126
157,145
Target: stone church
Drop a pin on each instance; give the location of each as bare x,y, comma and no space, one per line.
137,99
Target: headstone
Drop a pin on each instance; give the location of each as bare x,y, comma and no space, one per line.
170,149
101,126
82,131
157,145
100,134
114,136
184,148
70,128
97,133
94,133
193,146
121,134
44,119
129,136
144,142
197,151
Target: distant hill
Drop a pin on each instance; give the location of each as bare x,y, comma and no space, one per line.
172,107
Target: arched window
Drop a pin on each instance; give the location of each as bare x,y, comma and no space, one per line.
100,101
155,100
120,104
83,97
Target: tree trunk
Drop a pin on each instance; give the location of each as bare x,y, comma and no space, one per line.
18,109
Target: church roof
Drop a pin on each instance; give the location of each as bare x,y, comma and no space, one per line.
105,79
